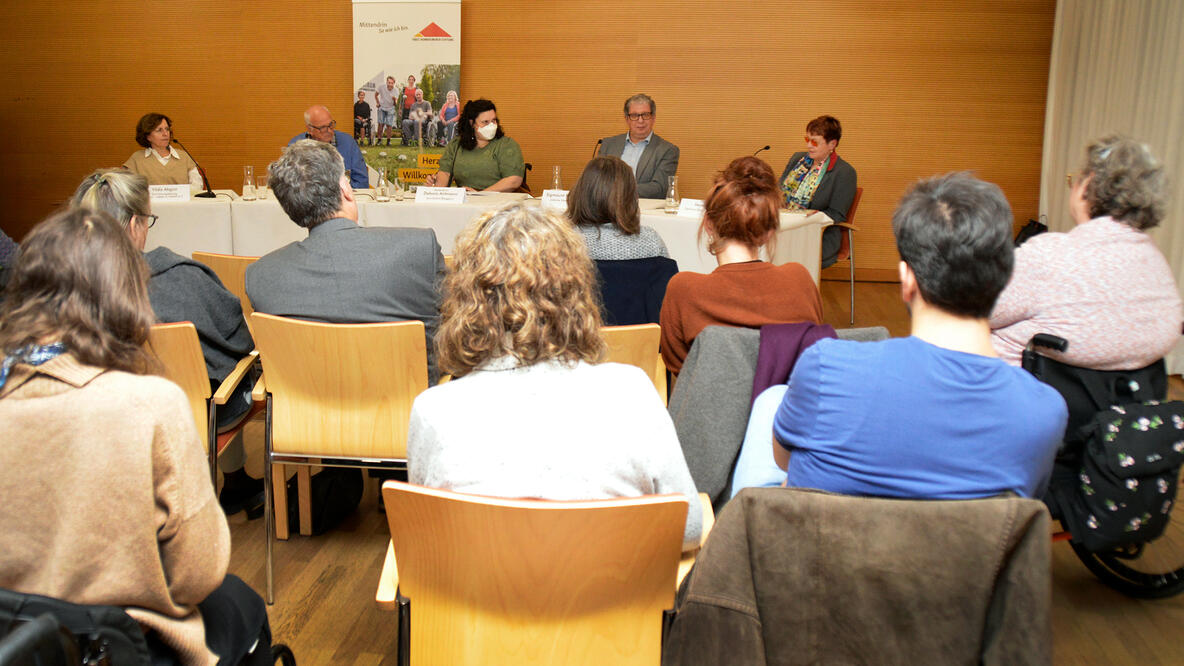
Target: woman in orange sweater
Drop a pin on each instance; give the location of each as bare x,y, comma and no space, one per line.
740,217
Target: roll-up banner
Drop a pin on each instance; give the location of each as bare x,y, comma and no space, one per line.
406,83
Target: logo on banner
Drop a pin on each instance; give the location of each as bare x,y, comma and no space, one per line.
432,33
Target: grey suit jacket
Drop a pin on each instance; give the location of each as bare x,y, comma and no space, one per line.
346,274
658,162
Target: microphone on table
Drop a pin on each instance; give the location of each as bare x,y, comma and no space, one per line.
208,194
761,151
596,148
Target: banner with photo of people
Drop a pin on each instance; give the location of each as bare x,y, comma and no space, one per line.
406,83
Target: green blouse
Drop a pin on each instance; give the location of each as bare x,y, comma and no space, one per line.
481,167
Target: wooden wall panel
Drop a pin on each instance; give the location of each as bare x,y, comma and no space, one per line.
922,87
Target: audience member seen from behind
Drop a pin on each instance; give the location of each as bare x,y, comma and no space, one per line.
161,162
936,415
603,206
520,333
181,289
740,217
817,179
1103,286
106,488
482,157
343,273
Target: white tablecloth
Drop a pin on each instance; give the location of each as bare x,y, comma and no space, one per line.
254,228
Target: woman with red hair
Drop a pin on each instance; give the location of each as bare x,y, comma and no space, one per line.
740,218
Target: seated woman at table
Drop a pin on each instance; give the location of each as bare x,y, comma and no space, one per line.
740,217
482,157
181,289
819,180
520,332
1103,286
107,496
160,162
603,206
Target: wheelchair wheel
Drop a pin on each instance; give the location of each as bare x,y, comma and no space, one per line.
1153,570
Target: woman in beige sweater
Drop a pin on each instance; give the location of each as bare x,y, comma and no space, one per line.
107,493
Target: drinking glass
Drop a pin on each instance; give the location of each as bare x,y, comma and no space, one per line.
248,183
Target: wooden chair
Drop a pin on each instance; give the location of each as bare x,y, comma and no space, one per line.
513,581
337,395
231,270
638,345
845,246
177,348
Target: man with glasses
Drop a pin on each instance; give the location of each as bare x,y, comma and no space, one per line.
653,159
321,127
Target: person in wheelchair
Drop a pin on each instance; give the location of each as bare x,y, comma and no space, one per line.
362,120
1103,286
105,483
935,415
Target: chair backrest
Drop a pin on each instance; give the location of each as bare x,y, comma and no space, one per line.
341,390
637,345
231,270
845,243
512,581
632,290
178,349
835,579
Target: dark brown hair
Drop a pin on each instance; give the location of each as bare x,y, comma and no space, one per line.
827,127
742,205
606,193
80,281
147,124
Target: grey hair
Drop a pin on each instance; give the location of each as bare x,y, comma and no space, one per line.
306,181
642,97
117,192
1126,182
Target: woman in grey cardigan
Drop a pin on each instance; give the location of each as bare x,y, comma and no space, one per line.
530,411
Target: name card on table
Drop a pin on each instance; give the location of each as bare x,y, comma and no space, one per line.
555,200
443,195
691,208
169,192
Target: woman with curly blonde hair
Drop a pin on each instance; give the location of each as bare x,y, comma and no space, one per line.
520,332
1103,286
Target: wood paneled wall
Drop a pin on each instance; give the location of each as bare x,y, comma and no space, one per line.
921,87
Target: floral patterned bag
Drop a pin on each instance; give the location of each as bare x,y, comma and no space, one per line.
1128,475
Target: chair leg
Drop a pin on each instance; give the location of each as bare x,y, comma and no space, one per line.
851,265
268,513
212,444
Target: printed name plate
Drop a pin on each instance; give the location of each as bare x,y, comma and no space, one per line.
443,195
555,200
169,192
691,208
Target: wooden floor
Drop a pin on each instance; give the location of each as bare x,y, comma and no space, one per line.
325,585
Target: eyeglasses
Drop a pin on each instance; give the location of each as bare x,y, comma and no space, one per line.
634,117
151,219
322,128
812,142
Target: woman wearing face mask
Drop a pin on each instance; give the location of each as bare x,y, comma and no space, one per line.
482,157
817,179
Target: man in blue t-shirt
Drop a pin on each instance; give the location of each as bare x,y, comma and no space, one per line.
935,415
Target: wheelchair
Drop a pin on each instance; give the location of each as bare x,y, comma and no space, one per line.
1149,570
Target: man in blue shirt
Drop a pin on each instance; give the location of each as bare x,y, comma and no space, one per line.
935,415
653,159
321,127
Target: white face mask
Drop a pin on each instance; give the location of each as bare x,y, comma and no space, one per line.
488,132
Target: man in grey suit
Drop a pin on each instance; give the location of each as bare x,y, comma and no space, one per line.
652,158
343,273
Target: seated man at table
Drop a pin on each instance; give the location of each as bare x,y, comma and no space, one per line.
936,415
653,159
321,127
343,273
